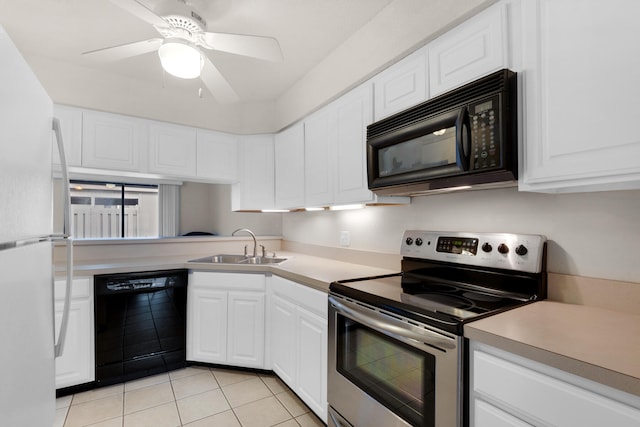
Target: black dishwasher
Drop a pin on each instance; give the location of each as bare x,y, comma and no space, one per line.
140,324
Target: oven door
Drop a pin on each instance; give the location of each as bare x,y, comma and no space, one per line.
386,371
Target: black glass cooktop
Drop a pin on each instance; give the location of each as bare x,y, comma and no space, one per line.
444,305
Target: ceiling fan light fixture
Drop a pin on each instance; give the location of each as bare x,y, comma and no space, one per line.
180,58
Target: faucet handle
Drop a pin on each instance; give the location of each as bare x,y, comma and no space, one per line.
264,251
245,250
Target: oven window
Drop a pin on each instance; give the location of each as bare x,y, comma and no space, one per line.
395,374
425,152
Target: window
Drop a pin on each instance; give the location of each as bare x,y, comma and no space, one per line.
97,210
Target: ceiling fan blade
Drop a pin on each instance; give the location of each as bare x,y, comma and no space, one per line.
127,50
138,9
217,84
266,48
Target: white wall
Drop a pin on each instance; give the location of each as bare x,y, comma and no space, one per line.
207,207
590,234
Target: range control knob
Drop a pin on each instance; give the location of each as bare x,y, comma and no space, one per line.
418,241
487,247
522,250
503,249
409,241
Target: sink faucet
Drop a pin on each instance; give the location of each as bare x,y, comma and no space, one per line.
252,235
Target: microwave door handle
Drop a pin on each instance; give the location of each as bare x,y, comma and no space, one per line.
463,139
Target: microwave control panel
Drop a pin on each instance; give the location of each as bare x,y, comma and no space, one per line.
485,133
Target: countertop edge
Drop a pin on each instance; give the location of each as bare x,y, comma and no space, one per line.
568,364
311,271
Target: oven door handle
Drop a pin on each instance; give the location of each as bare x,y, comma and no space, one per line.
392,326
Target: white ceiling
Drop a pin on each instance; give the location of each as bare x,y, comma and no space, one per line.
53,34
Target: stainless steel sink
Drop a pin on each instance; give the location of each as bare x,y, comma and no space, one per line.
264,260
238,259
222,259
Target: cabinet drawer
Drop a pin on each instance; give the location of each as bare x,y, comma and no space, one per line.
545,398
487,415
304,296
235,281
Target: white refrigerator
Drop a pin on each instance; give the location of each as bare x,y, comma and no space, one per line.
28,346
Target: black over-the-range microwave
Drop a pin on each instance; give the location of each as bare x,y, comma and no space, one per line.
465,138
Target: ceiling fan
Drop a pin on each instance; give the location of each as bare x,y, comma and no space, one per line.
183,32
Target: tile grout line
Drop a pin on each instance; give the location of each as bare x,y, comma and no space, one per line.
175,400
226,398
278,400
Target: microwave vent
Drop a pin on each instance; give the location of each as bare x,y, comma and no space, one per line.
493,83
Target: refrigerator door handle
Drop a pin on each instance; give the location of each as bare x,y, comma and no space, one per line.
59,343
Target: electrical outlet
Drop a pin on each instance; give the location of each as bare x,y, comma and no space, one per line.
345,240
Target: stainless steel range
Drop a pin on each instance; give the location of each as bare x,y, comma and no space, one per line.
397,356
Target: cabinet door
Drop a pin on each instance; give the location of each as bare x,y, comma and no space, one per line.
256,188
76,365
475,48
71,129
283,333
172,149
581,92
114,142
312,361
319,155
206,325
289,167
246,329
217,156
354,112
401,86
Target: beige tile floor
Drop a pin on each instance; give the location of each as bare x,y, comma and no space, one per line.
190,397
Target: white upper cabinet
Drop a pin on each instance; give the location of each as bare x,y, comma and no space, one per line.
581,93
217,156
401,86
172,149
289,167
473,49
111,141
353,113
319,158
255,188
71,129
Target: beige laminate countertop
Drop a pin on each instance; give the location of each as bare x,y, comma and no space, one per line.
309,270
595,343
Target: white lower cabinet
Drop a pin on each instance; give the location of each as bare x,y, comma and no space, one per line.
509,390
283,331
225,318
76,365
298,340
